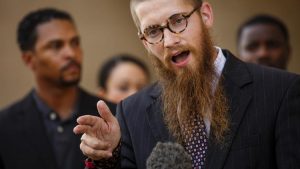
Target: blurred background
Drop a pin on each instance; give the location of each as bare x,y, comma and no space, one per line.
106,29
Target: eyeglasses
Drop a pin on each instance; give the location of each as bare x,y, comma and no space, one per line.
177,23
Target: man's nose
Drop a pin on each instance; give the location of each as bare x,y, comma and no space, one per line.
262,52
68,51
170,39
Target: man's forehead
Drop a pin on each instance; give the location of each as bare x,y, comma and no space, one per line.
151,11
56,29
262,31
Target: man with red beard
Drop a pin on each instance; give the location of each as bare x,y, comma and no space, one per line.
227,114
36,132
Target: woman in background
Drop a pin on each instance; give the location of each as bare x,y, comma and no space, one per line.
122,76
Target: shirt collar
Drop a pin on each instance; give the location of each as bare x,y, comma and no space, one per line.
47,111
220,61
41,105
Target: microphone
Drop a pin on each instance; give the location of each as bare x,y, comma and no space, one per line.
169,156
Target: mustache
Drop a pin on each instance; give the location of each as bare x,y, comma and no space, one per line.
71,63
168,51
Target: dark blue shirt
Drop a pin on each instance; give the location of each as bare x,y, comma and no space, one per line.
60,132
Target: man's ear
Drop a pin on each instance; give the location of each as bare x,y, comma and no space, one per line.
28,59
207,14
146,45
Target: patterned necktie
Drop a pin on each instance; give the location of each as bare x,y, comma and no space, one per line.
195,140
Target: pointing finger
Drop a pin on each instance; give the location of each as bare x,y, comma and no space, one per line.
104,111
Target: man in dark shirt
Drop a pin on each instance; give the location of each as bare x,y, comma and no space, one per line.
36,132
264,39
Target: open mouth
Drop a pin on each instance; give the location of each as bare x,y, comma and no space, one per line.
181,59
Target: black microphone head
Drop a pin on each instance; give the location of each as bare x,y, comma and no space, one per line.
169,156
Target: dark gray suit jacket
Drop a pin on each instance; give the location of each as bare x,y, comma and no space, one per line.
24,143
264,115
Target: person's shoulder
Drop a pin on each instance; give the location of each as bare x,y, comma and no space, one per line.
14,109
143,98
145,95
258,73
85,95
270,74
271,80
136,105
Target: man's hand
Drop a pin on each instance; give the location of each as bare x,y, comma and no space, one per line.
100,135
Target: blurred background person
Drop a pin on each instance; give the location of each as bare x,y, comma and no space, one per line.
122,76
264,39
98,34
36,131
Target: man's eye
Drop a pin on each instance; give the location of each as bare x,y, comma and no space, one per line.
55,45
273,45
252,47
153,32
178,20
75,43
124,88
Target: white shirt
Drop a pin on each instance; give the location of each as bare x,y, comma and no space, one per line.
219,65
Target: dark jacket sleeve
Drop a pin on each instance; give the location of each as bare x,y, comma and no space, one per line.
1,163
287,130
127,155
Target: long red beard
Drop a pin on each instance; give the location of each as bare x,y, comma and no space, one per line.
192,93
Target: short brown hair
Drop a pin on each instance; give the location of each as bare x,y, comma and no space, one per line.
133,4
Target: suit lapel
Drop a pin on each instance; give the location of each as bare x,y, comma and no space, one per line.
155,117
35,134
238,92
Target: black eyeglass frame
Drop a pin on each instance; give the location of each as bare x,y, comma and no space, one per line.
161,28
